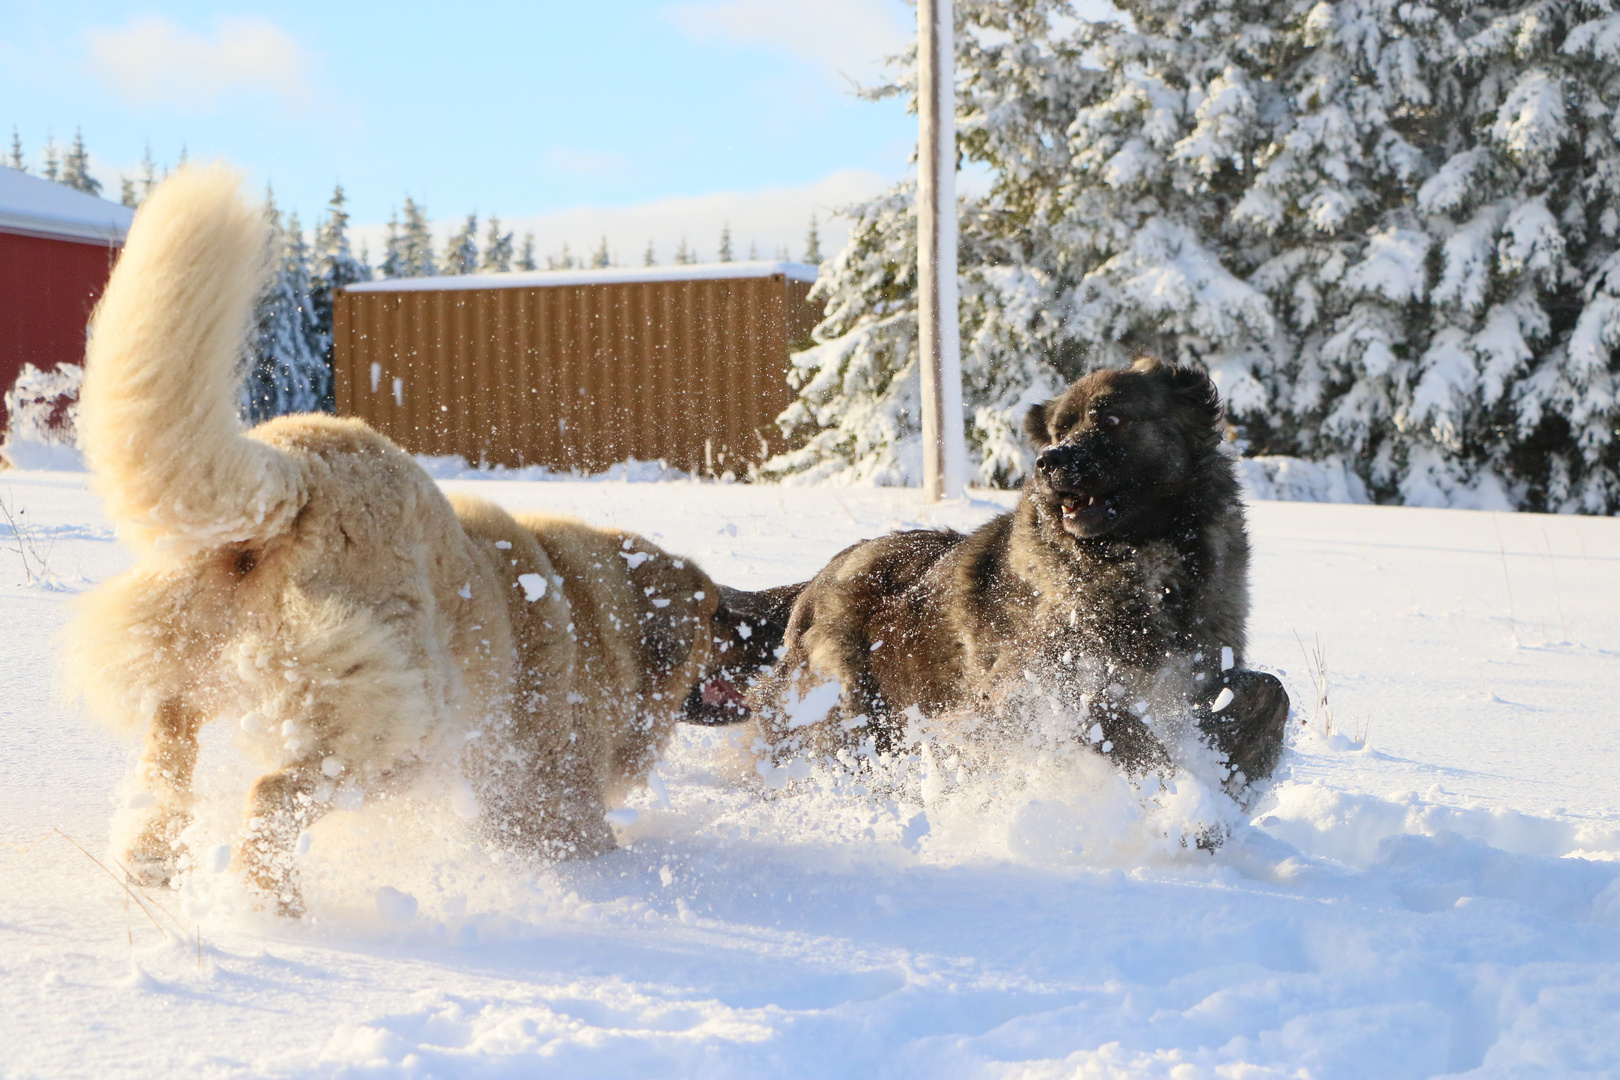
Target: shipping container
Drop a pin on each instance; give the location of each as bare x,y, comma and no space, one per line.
577,369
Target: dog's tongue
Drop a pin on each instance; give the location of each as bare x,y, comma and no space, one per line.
719,691
1073,504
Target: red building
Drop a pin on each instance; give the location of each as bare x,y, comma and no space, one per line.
57,248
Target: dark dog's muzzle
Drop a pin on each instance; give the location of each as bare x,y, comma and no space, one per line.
1077,476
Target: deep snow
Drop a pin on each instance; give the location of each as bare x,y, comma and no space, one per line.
1444,899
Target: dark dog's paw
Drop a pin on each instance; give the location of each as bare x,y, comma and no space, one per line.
1132,745
1247,722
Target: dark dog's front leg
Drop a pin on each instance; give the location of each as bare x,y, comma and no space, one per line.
167,764
1250,727
1127,740
281,806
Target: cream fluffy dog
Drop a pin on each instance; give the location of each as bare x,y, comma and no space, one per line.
307,580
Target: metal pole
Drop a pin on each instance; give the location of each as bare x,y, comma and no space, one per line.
944,454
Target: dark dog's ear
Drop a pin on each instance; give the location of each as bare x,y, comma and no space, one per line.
1035,425
1194,387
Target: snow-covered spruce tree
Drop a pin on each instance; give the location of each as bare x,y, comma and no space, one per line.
408,251
461,252
858,388
76,167
288,372
334,266
812,243
497,257
563,260
1387,229
393,260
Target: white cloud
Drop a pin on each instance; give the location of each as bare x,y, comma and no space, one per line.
844,37
154,60
768,219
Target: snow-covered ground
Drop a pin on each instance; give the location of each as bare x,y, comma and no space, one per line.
1443,898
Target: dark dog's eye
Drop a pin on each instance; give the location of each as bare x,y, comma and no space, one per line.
1108,420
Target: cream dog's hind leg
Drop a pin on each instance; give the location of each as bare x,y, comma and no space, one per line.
280,807
167,764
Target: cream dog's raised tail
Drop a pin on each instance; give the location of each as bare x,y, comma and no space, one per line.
158,410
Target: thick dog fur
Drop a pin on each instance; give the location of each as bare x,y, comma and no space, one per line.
307,580
1121,576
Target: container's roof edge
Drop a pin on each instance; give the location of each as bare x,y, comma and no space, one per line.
530,279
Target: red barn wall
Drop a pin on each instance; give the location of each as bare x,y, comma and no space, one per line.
47,290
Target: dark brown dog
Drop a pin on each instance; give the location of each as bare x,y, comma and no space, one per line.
1119,582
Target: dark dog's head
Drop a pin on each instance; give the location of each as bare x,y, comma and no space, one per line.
748,632
1120,450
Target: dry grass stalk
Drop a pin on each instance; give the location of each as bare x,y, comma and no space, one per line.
1316,666
1513,622
22,540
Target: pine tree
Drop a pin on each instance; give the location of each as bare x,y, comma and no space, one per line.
289,372
684,256
858,390
53,163
602,258
76,167
526,260
812,243
1389,232
408,247
725,242
461,253
650,256
16,160
562,261
393,264
753,251
416,242
497,256
148,174
335,266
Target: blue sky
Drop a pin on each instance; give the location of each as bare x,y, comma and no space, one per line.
562,117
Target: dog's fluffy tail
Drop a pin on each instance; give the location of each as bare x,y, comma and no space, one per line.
158,410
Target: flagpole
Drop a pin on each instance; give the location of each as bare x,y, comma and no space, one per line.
944,453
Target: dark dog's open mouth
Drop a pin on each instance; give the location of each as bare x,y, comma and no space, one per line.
1086,513
715,701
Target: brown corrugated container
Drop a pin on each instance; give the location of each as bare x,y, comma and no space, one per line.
577,369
